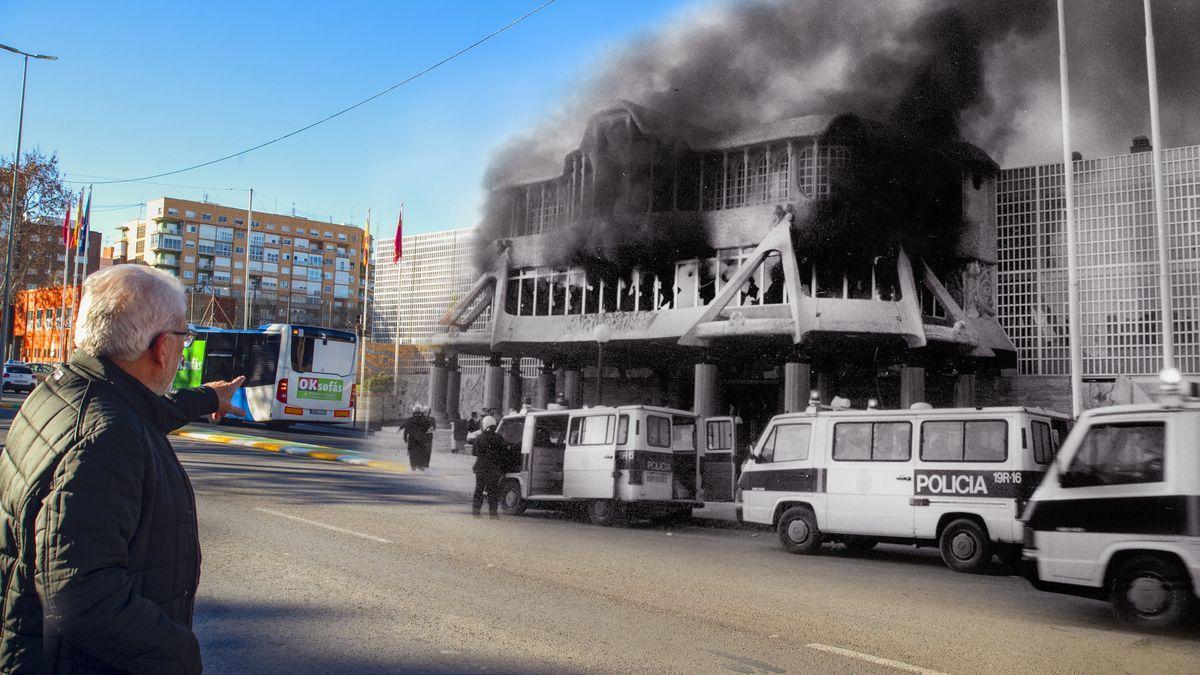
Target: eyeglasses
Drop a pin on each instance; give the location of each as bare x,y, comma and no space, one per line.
188,338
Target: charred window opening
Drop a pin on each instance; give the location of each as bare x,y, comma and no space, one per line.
875,279
815,167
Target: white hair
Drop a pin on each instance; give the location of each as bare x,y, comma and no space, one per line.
124,308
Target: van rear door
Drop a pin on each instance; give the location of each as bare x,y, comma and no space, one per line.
717,469
589,460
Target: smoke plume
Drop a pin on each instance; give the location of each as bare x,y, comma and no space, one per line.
939,71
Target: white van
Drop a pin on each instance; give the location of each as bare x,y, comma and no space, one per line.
618,461
1118,514
955,478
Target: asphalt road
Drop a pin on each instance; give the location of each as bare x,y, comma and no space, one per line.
317,567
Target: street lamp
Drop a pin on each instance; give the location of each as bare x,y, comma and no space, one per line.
601,334
12,209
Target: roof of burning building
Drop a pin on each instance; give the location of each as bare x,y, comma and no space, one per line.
673,130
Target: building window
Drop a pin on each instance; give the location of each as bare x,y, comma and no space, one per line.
172,211
206,216
222,219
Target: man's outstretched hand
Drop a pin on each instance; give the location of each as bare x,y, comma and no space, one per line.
225,391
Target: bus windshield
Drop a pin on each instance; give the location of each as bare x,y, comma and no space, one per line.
316,354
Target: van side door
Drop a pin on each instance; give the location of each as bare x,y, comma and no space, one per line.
786,468
589,460
718,464
870,478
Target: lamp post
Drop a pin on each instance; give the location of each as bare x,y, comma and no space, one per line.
602,334
12,206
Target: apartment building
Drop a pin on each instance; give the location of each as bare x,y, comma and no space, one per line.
295,270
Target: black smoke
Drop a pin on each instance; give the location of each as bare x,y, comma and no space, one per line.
941,71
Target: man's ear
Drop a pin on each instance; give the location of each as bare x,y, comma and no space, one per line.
158,349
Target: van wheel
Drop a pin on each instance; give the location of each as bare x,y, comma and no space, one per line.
965,546
1151,592
605,512
798,531
511,500
860,543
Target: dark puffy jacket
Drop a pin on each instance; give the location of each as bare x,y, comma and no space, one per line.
492,453
99,550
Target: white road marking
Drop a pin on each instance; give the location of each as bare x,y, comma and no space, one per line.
877,660
343,530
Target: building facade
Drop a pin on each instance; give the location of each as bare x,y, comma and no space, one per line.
299,270
42,324
1118,265
680,254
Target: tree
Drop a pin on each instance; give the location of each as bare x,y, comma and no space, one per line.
42,202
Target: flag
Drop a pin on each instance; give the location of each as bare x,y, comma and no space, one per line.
67,226
399,246
85,219
78,218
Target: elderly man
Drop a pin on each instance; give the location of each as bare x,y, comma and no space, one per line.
100,555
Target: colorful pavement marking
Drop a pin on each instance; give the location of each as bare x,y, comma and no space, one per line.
321,452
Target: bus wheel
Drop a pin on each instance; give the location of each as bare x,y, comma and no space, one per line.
604,512
1151,592
798,530
965,546
860,543
511,500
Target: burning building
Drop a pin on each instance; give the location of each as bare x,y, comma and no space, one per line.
738,270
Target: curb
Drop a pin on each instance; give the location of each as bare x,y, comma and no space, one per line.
320,452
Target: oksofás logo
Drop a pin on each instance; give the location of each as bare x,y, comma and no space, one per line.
320,388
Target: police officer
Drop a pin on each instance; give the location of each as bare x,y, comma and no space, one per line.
418,438
491,451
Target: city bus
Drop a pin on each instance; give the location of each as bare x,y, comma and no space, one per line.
293,373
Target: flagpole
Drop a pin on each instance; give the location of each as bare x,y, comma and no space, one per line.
399,263
246,285
62,333
362,343
1074,316
82,229
1160,208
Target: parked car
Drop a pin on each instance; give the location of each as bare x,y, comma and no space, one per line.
41,370
18,378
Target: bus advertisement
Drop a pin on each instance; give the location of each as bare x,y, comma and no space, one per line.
293,373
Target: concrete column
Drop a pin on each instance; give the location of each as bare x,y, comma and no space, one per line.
493,386
797,385
964,390
704,396
571,387
545,389
437,389
912,386
823,388
513,386
453,387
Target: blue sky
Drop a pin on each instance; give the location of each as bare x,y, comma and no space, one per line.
144,87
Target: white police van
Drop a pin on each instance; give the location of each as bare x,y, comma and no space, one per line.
616,461
1118,514
956,478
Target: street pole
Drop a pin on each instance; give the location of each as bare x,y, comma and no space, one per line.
362,344
248,303
12,209
1074,316
1160,208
